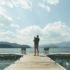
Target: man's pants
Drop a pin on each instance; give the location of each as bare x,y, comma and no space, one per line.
36,50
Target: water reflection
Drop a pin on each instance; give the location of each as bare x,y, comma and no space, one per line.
64,63
62,60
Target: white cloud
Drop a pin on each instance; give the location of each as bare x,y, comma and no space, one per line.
26,4
2,2
8,17
13,25
7,36
1,24
51,33
3,12
6,3
48,8
53,2
25,35
44,6
9,4
33,30
59,30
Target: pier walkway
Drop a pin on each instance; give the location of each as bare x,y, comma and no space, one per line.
30,62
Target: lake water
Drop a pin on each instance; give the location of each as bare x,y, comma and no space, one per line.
63,60
31,50
5,63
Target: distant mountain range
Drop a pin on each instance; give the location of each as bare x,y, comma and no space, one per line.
65,44
12,45
15,45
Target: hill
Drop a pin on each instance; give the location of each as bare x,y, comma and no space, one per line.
12,45
65,44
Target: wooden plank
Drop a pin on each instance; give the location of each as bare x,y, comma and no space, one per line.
30,62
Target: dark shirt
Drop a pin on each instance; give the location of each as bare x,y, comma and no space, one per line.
36,41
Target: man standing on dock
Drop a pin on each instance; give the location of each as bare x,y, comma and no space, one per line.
36,45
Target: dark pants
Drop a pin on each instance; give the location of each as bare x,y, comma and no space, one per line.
36,50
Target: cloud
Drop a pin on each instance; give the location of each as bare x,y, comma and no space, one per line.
26,34
33,30
2,10
3,13
13,25
2,2
7,36
46,7
9,4
26,4
53,2
1,25
8,17
52,33
57,31
46,4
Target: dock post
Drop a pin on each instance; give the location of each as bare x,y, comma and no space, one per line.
23,50
46,50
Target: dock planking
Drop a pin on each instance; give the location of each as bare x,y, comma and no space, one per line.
30,62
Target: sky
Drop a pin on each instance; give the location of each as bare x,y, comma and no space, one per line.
21,20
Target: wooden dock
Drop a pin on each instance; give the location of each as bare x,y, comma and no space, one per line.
30,62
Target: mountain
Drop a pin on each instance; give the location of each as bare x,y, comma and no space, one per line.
12,45
48,46
65,44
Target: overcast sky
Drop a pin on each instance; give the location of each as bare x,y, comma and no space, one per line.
21,20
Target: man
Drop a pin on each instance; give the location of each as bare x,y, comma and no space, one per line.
36,45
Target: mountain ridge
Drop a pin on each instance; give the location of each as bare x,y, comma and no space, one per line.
12,45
